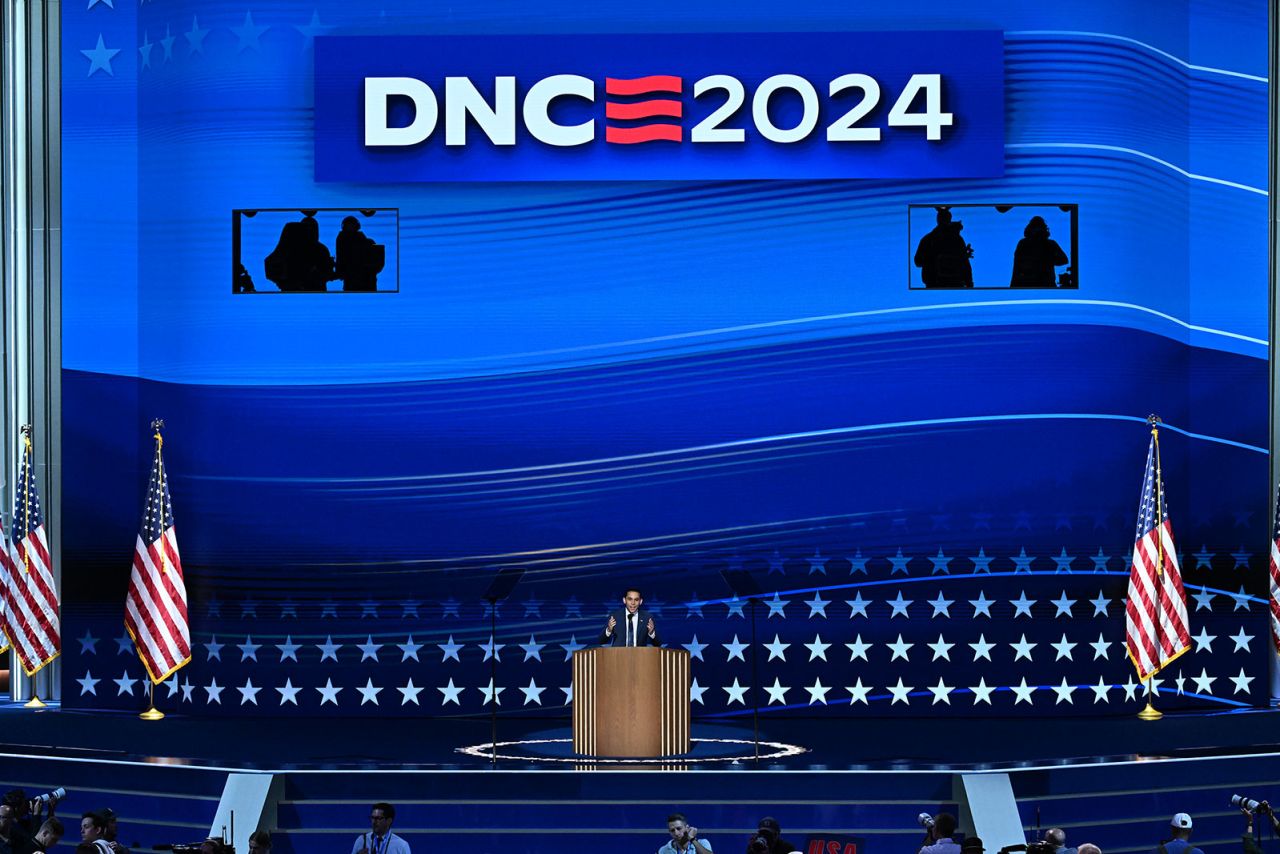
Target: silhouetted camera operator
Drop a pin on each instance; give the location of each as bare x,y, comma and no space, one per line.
358,259
768,839
943,255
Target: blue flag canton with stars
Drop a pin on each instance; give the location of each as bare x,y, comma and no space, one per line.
159,515
1147,507
26,501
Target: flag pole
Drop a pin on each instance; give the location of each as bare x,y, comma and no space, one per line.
1150,712
152,713
35,702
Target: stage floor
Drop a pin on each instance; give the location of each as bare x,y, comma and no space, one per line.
790,744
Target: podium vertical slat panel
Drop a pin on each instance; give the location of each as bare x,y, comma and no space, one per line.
630,702
665,661
667,719
682,704
584,692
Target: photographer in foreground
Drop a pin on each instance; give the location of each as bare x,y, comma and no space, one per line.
28,813
1180,837
1248,808
768,839
684,838
938,834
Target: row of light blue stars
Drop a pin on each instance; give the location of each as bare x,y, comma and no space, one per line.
329,649
941,562
776,605
735,649
736,693
248,36
328,693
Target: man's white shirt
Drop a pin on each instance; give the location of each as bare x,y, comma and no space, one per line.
391,844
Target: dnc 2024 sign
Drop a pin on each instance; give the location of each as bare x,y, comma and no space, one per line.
659,107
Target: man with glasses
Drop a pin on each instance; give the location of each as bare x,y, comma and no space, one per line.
380,839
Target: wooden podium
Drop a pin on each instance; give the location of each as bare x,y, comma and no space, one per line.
631,701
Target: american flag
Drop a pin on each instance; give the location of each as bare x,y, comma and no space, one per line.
7,582
30,595
155,612
1156,611
1275,576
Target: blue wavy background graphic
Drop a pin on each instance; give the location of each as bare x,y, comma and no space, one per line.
643,382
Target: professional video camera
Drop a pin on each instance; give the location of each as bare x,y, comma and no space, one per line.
926,820
1245,803
212,845
761,842
1040,847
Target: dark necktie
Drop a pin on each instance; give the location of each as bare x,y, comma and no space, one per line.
631,629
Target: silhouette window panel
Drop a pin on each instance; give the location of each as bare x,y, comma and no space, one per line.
285,236
994,236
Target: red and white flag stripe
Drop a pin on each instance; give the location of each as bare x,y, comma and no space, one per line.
1275,593
1156,625
31,621
156,606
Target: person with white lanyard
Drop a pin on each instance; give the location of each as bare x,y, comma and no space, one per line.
684,838
630,626
380,839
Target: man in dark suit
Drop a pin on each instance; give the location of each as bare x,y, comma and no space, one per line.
630,626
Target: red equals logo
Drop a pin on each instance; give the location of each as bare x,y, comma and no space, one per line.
631,105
